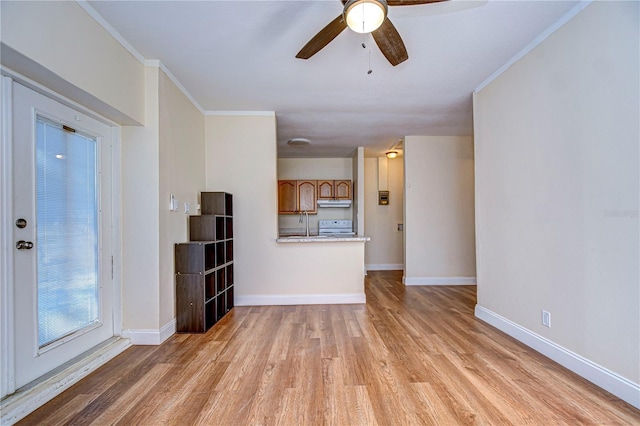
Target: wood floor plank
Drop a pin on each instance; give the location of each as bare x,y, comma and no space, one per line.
336,411
410,356
119,407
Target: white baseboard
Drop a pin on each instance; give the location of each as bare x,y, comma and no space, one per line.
31,397
151,336
596,374
384,267
439,280
302,299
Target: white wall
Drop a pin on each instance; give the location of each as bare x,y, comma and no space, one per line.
315,168
557,190
140,219
385,251
439,210
59,45
181,163
241,158
359,197
164,157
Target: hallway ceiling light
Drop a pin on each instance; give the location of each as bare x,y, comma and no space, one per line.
392,154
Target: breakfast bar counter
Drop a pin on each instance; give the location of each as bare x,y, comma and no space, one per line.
322,239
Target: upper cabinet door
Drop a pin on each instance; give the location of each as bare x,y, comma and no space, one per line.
342,189
325,190
287,199
307,196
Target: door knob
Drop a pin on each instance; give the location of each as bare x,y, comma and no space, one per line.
24,245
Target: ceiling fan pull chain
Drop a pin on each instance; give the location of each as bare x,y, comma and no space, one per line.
370,70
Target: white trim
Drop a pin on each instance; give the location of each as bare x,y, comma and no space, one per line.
116,227
7,341
439,280
31,397
300,299
535,42
158,64
134,52
247,113
49,93
112,31
384,266
600,376
151,336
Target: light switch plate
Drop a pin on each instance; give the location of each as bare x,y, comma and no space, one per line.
173,203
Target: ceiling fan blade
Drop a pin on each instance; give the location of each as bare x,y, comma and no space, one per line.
390,43
323,38
411,2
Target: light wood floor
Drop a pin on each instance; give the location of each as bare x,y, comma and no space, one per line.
411,355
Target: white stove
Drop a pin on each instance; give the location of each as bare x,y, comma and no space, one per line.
335,227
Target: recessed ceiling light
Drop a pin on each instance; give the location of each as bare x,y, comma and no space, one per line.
298,142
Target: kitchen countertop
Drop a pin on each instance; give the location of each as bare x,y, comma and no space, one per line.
322,239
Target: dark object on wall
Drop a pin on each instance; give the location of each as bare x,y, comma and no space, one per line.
383,198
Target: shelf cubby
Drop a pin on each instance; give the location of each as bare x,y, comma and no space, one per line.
204,266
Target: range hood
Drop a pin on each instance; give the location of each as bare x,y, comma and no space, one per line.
334,203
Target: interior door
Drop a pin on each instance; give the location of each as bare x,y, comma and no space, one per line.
63,288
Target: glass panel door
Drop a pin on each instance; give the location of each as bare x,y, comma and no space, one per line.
63,291
67,231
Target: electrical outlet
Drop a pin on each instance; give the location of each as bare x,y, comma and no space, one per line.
546,318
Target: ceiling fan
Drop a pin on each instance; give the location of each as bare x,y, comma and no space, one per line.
365,16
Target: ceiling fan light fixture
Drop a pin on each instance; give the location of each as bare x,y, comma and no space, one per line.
365,16
392,154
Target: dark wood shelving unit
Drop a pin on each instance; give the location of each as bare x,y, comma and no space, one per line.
204,266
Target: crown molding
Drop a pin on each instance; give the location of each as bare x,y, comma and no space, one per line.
146,62
535,42
112,31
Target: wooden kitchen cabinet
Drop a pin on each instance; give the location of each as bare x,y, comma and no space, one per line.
307,196
334,190
287,197
325,190
295,196
342,189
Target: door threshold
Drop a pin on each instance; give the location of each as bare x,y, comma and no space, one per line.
33,395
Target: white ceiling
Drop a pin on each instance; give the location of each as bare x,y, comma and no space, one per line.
240,56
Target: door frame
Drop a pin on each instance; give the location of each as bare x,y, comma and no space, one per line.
7,336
